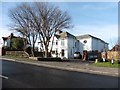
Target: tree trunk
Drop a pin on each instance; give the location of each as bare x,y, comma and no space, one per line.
32,50
52,46
46,52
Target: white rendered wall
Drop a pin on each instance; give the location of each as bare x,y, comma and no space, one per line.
85,46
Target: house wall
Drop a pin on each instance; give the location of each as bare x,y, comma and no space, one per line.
98,45
59,47
0,51
77,46
92,44
95,44
106,46
101,46
64,47
85,46
7,43
72,47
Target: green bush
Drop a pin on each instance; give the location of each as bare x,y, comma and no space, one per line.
17,44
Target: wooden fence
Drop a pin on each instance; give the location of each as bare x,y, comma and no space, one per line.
112,54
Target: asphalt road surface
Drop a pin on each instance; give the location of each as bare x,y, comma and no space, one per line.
19,75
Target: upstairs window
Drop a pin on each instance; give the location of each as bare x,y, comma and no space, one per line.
56,42
53,43
85,41
62,42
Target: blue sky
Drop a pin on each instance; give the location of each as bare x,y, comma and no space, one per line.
99,19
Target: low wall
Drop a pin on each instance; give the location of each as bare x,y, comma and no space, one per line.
17,53
23,53
38,54
48,59
111,54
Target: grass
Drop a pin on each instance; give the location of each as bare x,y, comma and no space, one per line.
107,64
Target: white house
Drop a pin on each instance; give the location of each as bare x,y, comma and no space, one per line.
91,43
66,44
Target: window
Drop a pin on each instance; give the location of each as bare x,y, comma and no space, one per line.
62,42
56,42
53,52
53,43
56,51
85,41
63,52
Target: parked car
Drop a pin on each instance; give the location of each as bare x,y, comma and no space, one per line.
92,57
77,55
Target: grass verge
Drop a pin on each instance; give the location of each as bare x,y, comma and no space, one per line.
107,64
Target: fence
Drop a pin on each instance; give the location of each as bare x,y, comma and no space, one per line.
113,54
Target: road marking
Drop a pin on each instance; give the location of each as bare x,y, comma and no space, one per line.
4,76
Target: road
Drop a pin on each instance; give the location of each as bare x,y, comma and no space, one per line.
19,75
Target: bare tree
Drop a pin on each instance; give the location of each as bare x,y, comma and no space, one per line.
39,19
51,19
24,24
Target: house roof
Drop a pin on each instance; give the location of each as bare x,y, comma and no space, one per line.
116,48
11,36
57,36
89,36
64,35
8,37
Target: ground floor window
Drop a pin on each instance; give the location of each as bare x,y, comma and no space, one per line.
63,52
53,52
56,52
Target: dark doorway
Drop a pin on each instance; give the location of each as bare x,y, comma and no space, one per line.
63,52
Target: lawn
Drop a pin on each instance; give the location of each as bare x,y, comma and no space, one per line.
107,64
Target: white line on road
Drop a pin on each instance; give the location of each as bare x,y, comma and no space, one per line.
4,76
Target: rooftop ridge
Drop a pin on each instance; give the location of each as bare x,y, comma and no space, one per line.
89,35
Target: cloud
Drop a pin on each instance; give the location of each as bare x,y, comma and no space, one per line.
108,33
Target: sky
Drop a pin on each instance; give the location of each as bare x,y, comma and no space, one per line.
99,19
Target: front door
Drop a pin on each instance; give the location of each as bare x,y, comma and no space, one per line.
63,52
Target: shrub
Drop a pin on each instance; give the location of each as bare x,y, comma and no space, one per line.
17,44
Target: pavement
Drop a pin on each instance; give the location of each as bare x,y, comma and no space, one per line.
78,66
